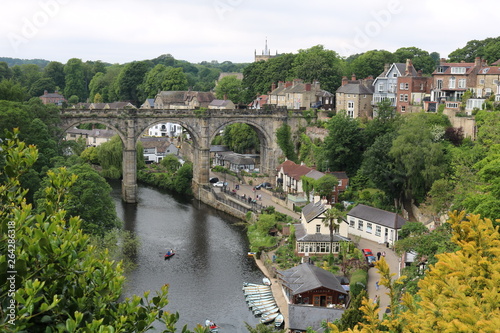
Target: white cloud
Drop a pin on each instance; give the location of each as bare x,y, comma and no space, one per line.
196,30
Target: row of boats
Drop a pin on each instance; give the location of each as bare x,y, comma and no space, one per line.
261,301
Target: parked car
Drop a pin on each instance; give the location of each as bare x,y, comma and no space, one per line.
219,184
263,185
367,252
214,180
371,260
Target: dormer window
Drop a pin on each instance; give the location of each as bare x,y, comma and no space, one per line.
458,70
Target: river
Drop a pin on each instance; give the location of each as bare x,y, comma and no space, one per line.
210,265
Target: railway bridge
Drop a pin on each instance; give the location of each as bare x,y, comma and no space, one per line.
201,124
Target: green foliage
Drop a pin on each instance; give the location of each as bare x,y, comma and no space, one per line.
179,181
110,157
421,59
370,63
344,145
171,163
75,80
258,233
358,282
488,49
163,78
12,91
62,282
241,138
129,80
325,186
353,315
229,87
284,139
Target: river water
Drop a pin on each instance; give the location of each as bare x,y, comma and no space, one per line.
210,265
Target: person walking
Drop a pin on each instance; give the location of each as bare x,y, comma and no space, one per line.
376,285
378,255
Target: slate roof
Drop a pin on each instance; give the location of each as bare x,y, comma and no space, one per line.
220,102
160,143
306,277
357,89
313,210
235,158
378,216
302,316
52,95
339,174
315,174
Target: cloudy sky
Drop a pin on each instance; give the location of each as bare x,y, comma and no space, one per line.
196,30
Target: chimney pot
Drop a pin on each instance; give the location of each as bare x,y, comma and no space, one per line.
353,77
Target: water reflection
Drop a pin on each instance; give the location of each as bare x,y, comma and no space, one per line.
210,265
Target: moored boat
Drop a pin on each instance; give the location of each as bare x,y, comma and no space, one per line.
279,320
266,311
266,281
269,318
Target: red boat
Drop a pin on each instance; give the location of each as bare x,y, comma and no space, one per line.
169,254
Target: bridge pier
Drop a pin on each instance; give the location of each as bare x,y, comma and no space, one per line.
129,182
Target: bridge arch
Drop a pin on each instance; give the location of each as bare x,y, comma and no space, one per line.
129,124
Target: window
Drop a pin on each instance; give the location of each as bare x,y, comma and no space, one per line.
458,70
360,225
369,227
340,182
378,230
461,83
350,105
351,223
395,75
318,228
439,84
451,83
407,86
350,113
401,97
440,69
401,86
406,97
403,108
481,81
380,87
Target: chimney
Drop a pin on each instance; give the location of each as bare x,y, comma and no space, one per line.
409,67
45,92
419,73
308,87
288,84
273,86
353,77
370,77
344,80
386,67
280,84
477,62
442,61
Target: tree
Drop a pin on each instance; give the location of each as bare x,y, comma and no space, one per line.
488,48
55,71
241,138
229,87
61,282
421,59
12,91
5,71
171,163
284,139
74,77
370,63
325,186
41,85
318,64
343,147
421,157
110,156
333,219
130,79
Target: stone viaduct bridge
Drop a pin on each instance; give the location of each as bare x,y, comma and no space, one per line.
202,125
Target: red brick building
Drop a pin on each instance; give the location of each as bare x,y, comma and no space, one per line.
411,90
52,98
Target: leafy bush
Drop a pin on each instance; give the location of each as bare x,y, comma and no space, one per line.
359,282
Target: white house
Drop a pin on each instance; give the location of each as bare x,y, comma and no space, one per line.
374,224
165,129
313,236
385,85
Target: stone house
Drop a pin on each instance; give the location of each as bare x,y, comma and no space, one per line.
156,148
313,236
93,137
289,176
221,104
52,98
236,162
183,99
355,97
374,224
296,95
487,85
411,91
452,80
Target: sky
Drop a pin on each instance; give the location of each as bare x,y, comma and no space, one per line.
232,30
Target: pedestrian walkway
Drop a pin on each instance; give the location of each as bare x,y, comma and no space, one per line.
373,276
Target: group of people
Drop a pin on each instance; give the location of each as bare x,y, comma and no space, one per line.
379,254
